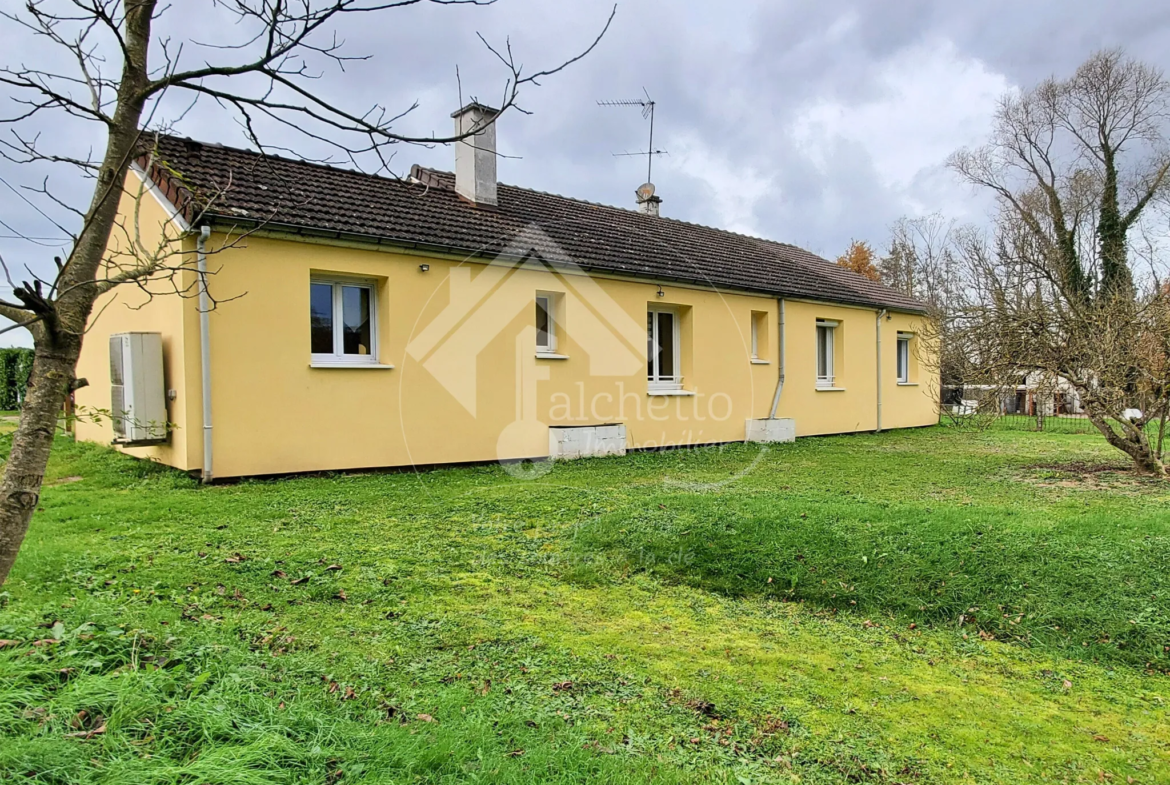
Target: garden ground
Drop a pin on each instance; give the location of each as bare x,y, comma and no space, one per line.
930,606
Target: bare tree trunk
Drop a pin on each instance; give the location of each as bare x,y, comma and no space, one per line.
1138,448
48,387
1162,433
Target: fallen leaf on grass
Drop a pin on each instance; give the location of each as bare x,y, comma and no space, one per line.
86,734
4,643
426,718
299,581
333,567
279,574
515,753
341,595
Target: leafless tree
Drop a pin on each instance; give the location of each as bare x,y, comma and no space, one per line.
921,261
118,71
1076,166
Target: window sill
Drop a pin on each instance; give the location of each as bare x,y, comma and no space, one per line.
760,362
551,356
667,393
353,366
907,384
830,389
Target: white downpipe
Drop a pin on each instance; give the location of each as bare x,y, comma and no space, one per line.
881,315
205,347
783,358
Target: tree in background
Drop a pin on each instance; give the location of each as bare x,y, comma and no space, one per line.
922,261
1064,289
860,259
115,68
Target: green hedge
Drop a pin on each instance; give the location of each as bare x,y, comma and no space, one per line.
15,366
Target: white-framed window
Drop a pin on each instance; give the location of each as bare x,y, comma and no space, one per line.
546,327
343,321
904,358
826,338
663,355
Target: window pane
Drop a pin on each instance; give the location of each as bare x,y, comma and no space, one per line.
755,338
650,347
665,345
321,318
542,322
355,304
822,352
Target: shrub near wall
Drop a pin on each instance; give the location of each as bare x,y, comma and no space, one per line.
15,367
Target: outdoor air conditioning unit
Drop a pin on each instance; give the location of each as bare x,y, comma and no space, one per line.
138,404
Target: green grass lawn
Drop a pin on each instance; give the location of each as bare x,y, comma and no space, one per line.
930,606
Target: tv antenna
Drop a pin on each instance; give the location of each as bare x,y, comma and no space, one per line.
647,105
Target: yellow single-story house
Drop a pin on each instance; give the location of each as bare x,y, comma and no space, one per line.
349,321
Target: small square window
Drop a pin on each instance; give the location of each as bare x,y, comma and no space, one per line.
342,321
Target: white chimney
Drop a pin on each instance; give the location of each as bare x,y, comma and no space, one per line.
475,156
648,203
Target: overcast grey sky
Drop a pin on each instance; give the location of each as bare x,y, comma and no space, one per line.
811,123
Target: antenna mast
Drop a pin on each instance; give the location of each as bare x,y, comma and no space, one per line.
647,105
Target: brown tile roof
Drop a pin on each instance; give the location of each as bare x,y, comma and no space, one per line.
245,188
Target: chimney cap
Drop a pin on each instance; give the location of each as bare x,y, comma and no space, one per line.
473,106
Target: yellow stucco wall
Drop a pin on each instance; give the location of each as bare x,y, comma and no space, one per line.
852,405
466,384
143,224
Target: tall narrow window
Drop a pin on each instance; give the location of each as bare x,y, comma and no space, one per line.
826,337
662,350
546,333
903,359
342,324
759,335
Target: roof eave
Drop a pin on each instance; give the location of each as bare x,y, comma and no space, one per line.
230,223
